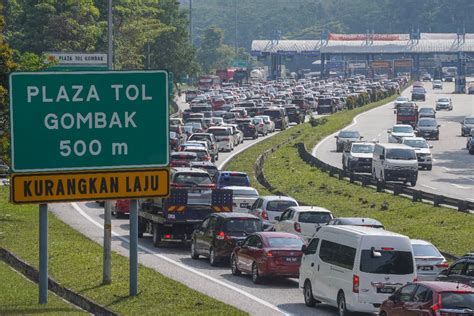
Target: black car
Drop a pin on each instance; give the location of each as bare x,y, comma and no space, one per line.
427,128
219,233
426,112
462,271
247,127
295,115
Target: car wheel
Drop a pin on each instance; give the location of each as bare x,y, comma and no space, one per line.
413,183
308,294
194,254
213,260
471,152
341,305
256,278
156,236
429,167
383,314
233,266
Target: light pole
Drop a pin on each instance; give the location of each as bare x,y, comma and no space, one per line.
235,25
191,21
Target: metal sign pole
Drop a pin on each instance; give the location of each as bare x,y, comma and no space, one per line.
133,247
43,253
106,275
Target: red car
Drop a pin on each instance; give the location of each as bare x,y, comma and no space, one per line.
121,208
268,254
433,298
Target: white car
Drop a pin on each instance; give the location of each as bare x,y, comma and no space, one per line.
444,104
422,150
242,198
429,261
270,124
398,131
224,137
302,220
270,206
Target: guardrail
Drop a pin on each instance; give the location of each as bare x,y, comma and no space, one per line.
397,189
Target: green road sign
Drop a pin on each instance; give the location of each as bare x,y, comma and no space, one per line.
239,63
89,120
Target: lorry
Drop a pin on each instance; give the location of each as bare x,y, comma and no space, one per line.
407,113
258,74
226,75
208,82
175,217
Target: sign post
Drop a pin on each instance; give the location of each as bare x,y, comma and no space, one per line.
82,136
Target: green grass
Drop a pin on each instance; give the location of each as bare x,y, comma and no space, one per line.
20,296
76,262
448,229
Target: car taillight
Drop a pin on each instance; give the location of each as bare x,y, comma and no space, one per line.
435,309
222,236
297,227
207,158
210,186
261,125
264,215
270,254
355,283
177,185
443,264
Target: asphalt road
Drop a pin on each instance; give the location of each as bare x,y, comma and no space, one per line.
274,297
453,167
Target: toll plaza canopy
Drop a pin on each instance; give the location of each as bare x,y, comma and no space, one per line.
368,44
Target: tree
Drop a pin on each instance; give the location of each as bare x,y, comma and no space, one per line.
213,53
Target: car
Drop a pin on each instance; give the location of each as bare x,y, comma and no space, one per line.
260,125
269,207
205,165
219,233
213,146
444,104
176,121
418,93
398,131
217,121
278,116
470,88
428,128
268,121
345,138
231,178
230,117
429,261
400,101
182,158
430,298
355,268
461,271
357,221
237,134
295,114
201,152
189,178
426,77
302,220
470,143
358,157
121,208
395,162
466,125
426,112
422,150
196,127
224,137
437,84
268,254
247,127
243,197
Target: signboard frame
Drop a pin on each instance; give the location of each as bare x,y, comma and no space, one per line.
14,169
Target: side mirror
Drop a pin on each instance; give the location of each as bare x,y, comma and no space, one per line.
240,243
439,126
303,249
277,218
336,137
394,298
389,130
381,157
431,146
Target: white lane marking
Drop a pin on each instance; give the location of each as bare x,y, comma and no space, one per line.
447,169
472,200
183,266
427,186
460,186
354,122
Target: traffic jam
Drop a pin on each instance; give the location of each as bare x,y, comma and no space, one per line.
352,264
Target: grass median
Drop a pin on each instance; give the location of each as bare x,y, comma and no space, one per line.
448,229
76,262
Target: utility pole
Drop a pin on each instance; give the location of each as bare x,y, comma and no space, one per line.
235,25
191,21
106,275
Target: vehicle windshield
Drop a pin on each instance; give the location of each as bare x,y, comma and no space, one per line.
402,99
389,262
314,218
419,90
469,120
349,134
242,192
427,123
362,149
285,242
457,300
243,225
229,115
443,100
257,121
279,206
265,118
182,156
219,132
192,178
425,251
416,143
193,124
198,137
235,180
401,154
199,152
406,111
273,114
402,129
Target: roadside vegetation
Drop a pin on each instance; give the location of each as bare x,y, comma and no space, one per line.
449,230
76,262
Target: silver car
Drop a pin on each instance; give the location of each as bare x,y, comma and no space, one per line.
270,206
429,261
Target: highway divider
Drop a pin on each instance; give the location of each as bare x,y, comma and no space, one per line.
381,186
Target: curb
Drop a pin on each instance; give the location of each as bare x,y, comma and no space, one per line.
74,298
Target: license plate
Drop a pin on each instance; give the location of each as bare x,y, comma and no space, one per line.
386,290
425,268
244,205
291,259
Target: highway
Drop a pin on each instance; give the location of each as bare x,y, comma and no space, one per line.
453,167
274,297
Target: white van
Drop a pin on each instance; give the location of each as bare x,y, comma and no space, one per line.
395,162
355,268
